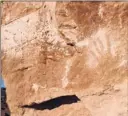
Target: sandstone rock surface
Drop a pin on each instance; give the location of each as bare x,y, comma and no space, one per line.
63,48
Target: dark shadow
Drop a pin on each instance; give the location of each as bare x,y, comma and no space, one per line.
4,106
53,103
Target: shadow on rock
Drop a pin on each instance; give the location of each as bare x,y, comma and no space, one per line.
53,103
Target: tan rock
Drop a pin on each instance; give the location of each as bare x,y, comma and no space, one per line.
63,48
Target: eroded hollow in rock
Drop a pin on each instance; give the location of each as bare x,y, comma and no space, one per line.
53,103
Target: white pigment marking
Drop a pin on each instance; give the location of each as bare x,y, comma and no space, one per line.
100,13
83,43
100,44
36,87
67,69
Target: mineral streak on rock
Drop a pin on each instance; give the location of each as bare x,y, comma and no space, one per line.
51,49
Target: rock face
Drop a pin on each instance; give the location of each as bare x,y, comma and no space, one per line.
64,48
12,11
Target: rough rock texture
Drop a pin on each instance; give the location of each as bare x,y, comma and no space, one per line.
66,48
15,10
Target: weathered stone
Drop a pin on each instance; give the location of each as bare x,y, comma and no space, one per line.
15,10
66,48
